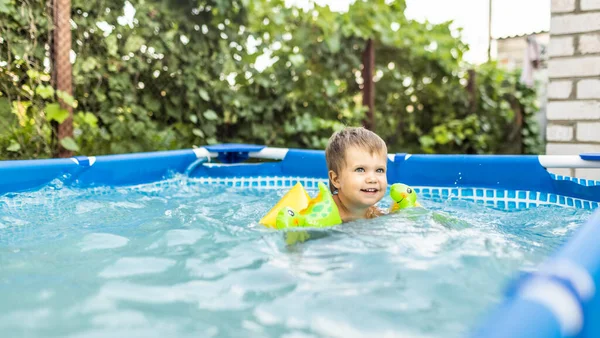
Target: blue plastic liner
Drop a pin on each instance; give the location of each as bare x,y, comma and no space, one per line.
458,171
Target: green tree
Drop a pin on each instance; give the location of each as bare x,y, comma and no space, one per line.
171,74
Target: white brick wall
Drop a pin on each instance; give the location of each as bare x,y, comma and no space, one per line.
588,131
588,89
573,110
589,43
572,148
587,5
561,171
559,89
561,46
574,67
588,174
559,133
575,23
561,6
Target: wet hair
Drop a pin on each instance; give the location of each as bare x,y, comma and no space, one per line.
339,142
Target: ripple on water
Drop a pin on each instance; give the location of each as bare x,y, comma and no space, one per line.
99,241
132,266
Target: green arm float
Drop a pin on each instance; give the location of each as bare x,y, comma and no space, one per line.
403,197
321,212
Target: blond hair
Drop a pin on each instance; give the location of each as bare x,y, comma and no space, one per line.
339,142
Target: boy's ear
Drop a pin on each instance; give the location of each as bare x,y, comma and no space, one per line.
334,179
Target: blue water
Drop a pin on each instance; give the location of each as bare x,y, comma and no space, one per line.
181,259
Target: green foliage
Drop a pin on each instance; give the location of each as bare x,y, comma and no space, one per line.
24,130
181,73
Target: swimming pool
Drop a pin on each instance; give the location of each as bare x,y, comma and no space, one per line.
167,243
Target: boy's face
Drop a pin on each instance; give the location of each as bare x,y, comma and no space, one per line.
362,180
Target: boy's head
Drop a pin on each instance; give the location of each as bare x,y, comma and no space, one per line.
357,162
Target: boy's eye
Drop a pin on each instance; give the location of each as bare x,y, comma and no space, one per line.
360,170
380,170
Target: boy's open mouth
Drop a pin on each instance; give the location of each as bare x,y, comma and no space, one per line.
370,190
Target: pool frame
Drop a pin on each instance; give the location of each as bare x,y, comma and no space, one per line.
559,299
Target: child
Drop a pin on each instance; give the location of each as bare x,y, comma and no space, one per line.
357,162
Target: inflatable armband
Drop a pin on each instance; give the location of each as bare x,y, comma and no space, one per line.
295,211
297,198
403,197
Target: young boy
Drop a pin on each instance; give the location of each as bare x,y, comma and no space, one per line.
357,162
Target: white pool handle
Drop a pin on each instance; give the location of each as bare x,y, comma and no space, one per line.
566,161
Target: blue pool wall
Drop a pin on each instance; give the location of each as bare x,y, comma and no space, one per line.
497,175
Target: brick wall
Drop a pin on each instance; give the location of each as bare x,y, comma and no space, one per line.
573,113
